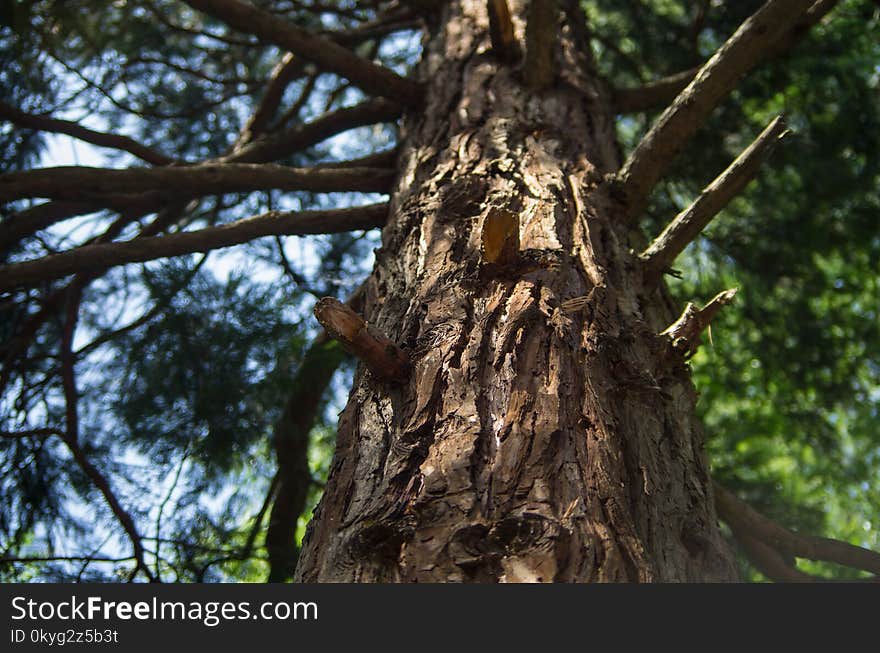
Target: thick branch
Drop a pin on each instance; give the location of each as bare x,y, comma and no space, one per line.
291,449
373,79
300,137
688,224
105,255
539,68
744,519
378,352
751,43
770,562
83,183
115,141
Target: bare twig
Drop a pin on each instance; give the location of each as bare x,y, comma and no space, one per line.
287,70
751,43
300,137
114,141
653,94
71,434
688,224
31,433
372,78
30,221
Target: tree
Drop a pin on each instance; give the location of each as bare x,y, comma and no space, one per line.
524,408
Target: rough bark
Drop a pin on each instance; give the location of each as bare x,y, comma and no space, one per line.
545,432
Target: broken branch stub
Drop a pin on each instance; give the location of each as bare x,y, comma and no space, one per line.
378,352
684,333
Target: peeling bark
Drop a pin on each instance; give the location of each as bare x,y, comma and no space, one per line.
542,433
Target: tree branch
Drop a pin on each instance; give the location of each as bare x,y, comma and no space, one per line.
31,433
29,221
770,562
84,183
105,255
745,520
688,224
684,333
539,68
114,141
663,91
653,94
71,434
373,79
300,137
291,450
751,43
501,31
122,516
380,354
36,559
287,70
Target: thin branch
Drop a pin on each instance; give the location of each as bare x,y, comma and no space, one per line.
688,224
383,159
40,559
84,183
374,30
372,78
68,363
751,43
157,308
248,547
102,139
294,109
122,516
29,221
101,256
653,94
287,70
300,137
161,510
744,519
71,434
31,433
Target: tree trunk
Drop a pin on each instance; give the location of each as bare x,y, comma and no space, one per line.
544,432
